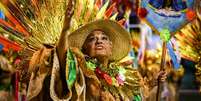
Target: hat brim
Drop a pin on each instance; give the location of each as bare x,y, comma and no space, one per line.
118,35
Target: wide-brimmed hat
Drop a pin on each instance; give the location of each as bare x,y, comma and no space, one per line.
117,34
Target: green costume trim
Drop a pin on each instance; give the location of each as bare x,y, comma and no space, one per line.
71,66
137,98
91,65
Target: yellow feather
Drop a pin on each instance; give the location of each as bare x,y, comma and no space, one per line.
101,13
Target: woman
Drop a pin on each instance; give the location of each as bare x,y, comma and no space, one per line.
102,43
86,66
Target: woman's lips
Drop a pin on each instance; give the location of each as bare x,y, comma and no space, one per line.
99,47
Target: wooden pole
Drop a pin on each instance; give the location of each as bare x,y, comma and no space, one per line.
164,49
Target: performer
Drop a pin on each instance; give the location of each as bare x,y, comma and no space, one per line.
86,65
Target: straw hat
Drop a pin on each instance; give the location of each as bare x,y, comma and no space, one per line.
118,35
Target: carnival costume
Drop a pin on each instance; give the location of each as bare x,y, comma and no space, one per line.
37,31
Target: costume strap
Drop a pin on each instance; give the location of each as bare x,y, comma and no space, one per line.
74,77
55,72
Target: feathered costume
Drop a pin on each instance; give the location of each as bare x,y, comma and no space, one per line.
189,39
36,25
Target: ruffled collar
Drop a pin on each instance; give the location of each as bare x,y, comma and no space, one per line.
112,75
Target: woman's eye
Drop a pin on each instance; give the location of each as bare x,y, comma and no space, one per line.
105,38
92,39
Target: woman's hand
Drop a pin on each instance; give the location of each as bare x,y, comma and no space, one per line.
68,15
161,76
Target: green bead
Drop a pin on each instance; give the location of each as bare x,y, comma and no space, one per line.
165,34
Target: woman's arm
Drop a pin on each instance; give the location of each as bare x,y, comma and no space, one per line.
63,41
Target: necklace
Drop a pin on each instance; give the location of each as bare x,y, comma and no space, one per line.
112,75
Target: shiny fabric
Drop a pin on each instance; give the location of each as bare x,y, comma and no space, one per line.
86,87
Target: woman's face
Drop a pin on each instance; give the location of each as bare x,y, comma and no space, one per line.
98,45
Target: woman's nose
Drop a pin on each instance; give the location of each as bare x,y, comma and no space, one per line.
99,40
